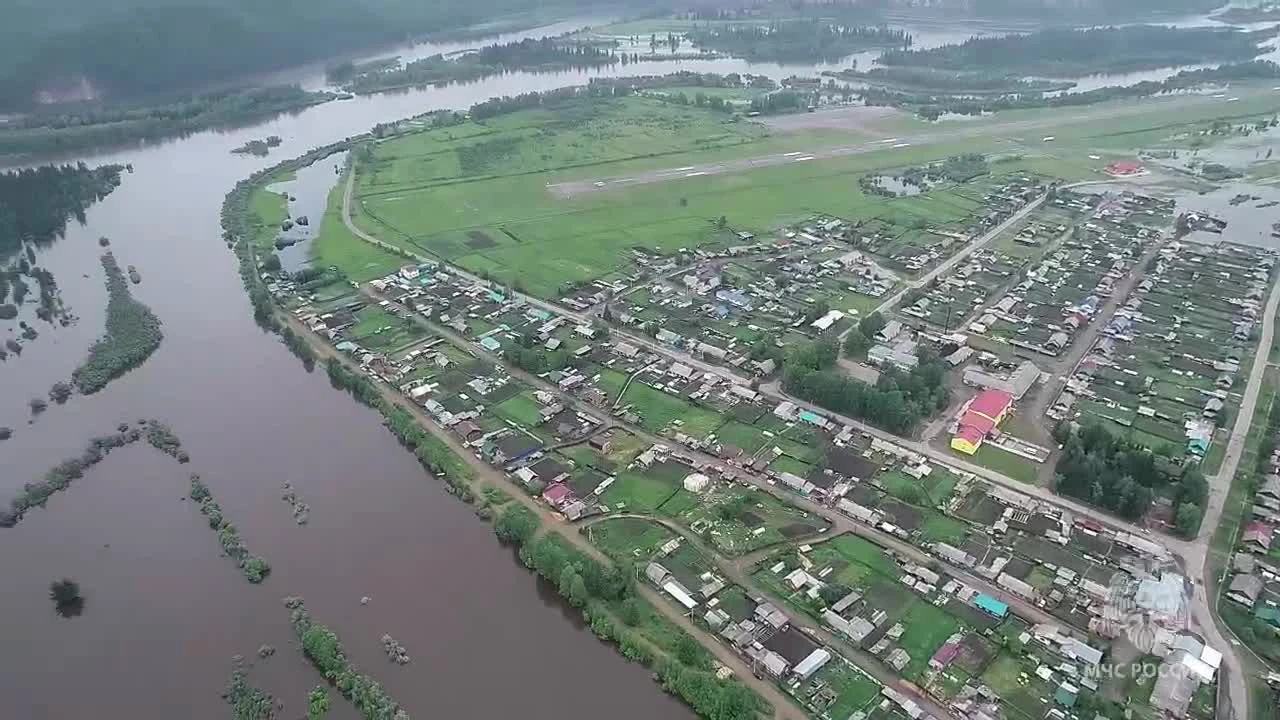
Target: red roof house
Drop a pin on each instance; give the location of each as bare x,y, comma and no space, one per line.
557,494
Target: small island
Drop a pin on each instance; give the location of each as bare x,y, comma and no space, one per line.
259,148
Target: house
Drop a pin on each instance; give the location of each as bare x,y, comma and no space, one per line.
656,573
626,350
696,482
1245,589
734,298
1257,537
944,655
1173,690
766,366
826,321
467,431
1016,383
510,448
1056,343
601,443
985,413
1016,586
991,606
902,355
557,495
490,344
548,471
889,332
680,370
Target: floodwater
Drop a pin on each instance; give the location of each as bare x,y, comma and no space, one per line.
308,196
164,612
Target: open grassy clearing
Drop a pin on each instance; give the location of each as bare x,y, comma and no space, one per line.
336,246
1006,463
628,538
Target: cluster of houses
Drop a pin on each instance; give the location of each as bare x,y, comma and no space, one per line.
1255,583
1215,340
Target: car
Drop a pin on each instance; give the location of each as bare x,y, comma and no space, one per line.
599,183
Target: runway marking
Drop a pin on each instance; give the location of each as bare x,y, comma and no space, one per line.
694,174
792,154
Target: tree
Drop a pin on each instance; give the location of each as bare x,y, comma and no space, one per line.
66,597
722,222
317,702
272,263
856,344
872,324
688,651
1188,520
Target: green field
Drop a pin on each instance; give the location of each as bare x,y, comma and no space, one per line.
628,538
521,409
658,410
477,193
336,246
639,492
1006,463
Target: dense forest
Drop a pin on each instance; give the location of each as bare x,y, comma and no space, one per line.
128,49
1125,477
1062,52
36,204
796,41
84,126
545,55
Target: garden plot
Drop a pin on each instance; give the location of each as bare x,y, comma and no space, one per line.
737,520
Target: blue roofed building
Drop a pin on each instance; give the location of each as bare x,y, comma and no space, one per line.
991,606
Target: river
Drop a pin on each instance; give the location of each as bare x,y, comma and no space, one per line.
165,613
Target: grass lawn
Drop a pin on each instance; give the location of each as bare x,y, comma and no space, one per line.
638,492
521,409
271,209
927,628
336,246
786,463
741,435
1006,463
628,538
476,193
852,688
941,528
658,410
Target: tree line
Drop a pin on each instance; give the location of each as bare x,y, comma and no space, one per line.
541,55
92,126
1058,52
796,40
605,592
37,203
933,106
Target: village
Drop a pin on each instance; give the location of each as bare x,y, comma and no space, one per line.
865,577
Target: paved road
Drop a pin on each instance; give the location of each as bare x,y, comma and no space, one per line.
906,138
